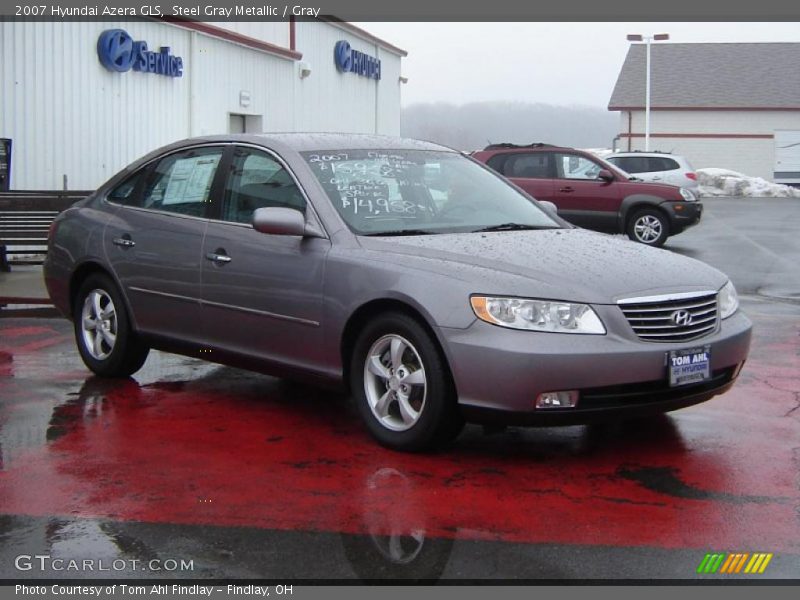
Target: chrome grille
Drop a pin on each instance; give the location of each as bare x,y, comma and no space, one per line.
676,318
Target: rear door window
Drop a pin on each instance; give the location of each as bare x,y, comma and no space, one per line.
536,165
181,182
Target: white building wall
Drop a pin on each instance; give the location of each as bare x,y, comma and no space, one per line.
328,100
717,121
389,93
221,71
752,156
68,115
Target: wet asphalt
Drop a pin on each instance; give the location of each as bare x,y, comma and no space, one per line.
247,476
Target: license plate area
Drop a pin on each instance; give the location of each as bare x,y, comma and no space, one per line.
689,366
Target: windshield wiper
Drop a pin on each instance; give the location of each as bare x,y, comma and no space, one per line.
399,232
512,227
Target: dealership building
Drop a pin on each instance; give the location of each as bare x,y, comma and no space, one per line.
734,106
80,100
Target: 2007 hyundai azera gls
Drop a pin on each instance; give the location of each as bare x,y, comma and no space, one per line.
434,289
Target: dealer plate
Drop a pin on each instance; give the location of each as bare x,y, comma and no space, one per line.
692,365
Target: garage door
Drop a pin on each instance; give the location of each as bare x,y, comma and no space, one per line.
787,156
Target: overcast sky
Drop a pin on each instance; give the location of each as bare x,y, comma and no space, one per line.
553,63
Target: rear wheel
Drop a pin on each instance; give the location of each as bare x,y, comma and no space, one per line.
106,342
402,385
649,226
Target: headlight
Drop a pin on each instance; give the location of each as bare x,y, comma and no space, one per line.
728,301
538,315
688,195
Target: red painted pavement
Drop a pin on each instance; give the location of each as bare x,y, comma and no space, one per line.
192,443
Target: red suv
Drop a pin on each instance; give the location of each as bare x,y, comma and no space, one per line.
594,194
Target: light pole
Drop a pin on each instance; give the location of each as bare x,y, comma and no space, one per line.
636,37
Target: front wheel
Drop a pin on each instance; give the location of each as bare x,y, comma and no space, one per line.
402,386
106,341
649,226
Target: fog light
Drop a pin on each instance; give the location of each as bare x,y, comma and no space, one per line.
568,399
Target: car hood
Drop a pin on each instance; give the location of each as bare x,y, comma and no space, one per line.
564,264
663,190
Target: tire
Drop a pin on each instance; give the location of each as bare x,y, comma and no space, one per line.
402,386
649,226
113,350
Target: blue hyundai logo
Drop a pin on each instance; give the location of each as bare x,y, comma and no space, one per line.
342,56
115,50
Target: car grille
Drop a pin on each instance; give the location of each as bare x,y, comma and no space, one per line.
672,320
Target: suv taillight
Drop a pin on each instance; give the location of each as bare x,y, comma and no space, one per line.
692,176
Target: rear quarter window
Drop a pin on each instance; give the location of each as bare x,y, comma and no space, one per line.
498,163
661,163
630,164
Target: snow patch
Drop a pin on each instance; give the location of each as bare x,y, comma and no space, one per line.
724,182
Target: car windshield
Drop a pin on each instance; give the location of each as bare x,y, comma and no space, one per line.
419,192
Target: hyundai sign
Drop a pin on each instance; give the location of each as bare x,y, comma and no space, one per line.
118,52
353,61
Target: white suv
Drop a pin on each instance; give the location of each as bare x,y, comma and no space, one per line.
660,167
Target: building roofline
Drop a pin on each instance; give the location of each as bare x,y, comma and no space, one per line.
232,36
364,34
706,108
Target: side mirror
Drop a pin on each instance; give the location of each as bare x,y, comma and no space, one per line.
279,221
549,206
605,175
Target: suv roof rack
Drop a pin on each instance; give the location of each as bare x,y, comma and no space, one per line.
510,145
648,151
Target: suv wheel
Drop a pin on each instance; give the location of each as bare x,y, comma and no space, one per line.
649,226
402,386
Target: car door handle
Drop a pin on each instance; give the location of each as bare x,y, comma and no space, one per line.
218,258
125,241
567,189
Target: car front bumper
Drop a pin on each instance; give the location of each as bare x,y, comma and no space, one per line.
499,372
683,214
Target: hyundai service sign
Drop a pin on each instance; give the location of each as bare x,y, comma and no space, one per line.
118,52
353,61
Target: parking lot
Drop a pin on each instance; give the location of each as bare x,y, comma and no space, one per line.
245,475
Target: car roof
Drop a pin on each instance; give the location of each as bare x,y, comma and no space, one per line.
303,142
643,153
515,148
